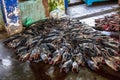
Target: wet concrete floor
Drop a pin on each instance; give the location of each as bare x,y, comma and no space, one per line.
98,8
12,69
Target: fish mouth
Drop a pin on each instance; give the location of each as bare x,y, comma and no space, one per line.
46,61
31,59
9,45
63,70
75,70
57,62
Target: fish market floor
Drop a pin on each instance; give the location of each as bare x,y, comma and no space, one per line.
84,11
12,69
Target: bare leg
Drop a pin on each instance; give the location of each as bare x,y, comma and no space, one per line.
46,6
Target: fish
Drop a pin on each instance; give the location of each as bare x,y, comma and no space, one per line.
67,45
50,39
32,43
44,57
21,42
66,66
112,65
11,44
79,59
21,49
11,38
111,51
29,32
35,53
98,60
24,57
107,44
89,52
97,50
45,49
56,59
66,56
91,64
51,47
75,67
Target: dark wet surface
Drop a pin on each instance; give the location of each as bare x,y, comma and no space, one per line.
12,69
46,72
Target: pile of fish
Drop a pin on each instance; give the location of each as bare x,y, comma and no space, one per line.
108,23
66,43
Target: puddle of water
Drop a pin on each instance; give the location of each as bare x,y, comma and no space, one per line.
6,62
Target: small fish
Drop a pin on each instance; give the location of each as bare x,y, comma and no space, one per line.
21,49
21,42
66,66
107,44
66,56
52,38
35,53
111,51
29,32
10,39
33,43
112,65
75,67
96,50
98,60
44,57
51,47
53,34
58,51
79,59
11,44
91,64
56,59
89,52
46,50
24,57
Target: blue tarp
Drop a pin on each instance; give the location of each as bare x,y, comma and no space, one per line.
90,2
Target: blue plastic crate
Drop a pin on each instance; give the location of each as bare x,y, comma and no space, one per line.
90,2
